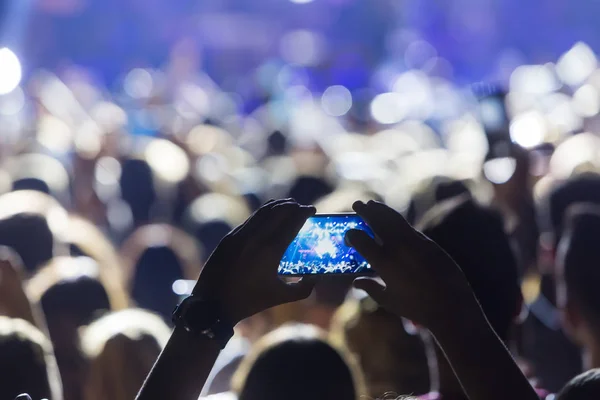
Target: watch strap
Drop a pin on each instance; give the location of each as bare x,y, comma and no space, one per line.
203,318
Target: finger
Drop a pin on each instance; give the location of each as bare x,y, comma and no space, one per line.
385,222
288,221
242,234
365,245
258,216
239,236
373,288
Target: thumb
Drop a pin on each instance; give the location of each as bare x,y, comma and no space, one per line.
375,289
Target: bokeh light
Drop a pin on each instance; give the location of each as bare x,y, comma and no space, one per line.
586,101
577,64
183,287
13,102
388,108
419,53
499,170
302,47
106,178
336,100
528,130
10,71
138,83
168,160
574,152
54,134
534,79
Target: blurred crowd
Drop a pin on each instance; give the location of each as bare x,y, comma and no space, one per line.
114,198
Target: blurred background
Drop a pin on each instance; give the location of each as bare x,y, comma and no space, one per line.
142,131
146,114
342,42
192,114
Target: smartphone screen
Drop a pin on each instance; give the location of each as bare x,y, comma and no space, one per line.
320,247
495,121
492,112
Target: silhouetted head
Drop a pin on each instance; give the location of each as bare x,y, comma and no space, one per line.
474,237
41,173
277,144
210,233
121,348
583,387
391,359
433,192
578,275
28,222
152,286
71,296
31,184
27,364
295,362
137,189
584,188
155,256
211,216
87,240
30,236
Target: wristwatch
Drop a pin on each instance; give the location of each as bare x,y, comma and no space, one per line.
203,318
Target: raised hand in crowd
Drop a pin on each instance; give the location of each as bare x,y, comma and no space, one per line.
422,283
239,280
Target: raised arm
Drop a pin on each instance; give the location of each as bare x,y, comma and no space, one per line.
424,284
239,280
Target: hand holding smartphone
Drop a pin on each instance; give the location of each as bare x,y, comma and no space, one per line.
320,248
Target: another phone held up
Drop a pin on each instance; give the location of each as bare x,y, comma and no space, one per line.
496,123
320,248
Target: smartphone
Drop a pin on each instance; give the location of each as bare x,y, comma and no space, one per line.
492,111
496,123
320,248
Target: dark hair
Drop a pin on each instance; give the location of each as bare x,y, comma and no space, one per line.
584,188
585,386
30,236
155,271
26,362
295,363
391,359
581,272
210,233
137,189
474,237
277,143
82,298
70,295
434,191
31,184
